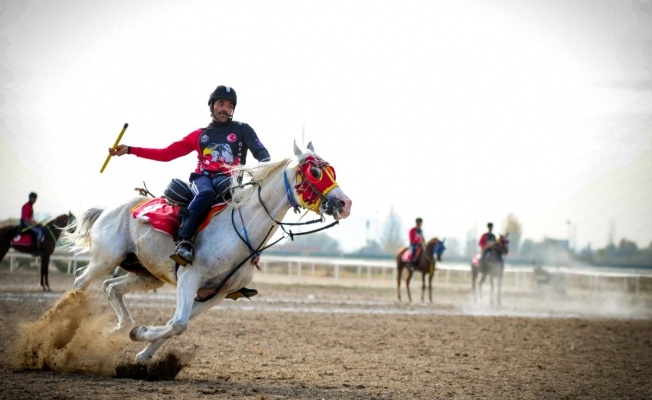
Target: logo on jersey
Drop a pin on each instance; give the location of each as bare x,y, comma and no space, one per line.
231,137
217,153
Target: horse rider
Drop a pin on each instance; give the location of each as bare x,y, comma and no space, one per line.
222,144
29,224
417,243
486,241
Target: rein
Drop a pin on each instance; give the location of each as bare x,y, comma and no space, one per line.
255,253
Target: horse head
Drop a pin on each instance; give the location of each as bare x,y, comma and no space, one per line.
436,247
503,242
316,187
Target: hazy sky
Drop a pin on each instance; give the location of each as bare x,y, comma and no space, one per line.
459,112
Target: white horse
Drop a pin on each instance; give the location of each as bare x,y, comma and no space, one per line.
224,247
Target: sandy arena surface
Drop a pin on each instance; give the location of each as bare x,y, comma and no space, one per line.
324,342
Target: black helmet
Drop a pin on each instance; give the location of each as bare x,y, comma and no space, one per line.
419,220
223,92
490,225
33,195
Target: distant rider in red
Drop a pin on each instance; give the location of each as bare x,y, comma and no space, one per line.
486,240
28,224
417,243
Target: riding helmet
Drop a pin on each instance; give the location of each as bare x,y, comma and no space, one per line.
223,92
33,195
419,220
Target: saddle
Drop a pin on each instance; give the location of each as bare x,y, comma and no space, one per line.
164,213
407,255
24,239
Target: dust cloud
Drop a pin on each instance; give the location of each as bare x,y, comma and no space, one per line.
72,336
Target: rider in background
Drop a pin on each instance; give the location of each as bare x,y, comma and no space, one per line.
222,144
417,243
29,224
486,240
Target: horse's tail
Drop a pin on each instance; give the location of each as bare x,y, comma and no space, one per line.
77,236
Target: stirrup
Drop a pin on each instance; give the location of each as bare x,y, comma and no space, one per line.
244,292
181,260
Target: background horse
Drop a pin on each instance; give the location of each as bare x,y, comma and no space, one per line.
224,248
492,265
51,232
426,264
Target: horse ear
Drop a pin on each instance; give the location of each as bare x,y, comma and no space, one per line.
297,151
310,147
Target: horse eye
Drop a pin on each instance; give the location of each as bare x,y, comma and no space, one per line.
316,172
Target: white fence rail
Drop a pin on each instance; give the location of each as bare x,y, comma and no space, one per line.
365,272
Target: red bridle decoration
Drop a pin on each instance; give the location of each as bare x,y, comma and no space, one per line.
315,178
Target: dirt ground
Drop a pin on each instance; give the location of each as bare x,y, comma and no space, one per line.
324,342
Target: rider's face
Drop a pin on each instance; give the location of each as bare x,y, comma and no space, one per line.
222,110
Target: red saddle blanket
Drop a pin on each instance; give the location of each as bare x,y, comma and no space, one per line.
164,217
22,239
407,255
476,261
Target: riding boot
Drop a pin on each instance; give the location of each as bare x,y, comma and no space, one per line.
185,251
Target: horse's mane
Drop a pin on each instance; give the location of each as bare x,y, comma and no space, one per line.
244,195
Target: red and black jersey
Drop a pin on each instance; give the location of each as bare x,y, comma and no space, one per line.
218,146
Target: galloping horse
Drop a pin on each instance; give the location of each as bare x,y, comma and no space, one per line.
425,264
492,266
13,236
224,248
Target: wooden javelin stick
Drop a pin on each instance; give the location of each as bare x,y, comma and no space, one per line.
117,142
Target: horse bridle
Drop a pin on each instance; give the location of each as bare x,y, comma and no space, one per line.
310,162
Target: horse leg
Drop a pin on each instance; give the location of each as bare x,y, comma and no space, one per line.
423,287
187,286
116,288
500,281
45,263
407,284
145,355
492,295
482,278
430,286
98,266
398,279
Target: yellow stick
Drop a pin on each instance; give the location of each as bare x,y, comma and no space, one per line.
117,142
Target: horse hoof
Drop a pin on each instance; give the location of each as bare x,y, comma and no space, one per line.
142,358
133,334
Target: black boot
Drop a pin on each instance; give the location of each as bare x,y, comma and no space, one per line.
185,252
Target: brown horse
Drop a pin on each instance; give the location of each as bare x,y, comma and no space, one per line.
51,232
426,264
